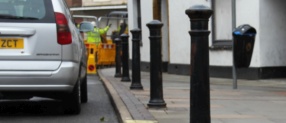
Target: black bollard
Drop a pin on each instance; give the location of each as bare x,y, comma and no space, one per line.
200,85
118,57
125,58
156,85
136,69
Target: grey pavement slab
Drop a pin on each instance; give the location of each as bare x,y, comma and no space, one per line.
255,101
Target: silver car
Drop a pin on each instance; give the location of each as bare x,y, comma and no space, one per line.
41,53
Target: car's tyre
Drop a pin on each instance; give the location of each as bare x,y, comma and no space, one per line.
84,92
73,100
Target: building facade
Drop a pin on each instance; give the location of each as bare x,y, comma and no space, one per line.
268,60
96,7
99,9
74,3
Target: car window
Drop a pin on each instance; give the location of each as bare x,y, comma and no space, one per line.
26,10
86,26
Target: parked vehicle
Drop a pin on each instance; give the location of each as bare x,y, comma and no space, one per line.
41,53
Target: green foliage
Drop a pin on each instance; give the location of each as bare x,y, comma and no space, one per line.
102,119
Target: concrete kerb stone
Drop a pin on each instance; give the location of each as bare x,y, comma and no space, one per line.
119,105
120,108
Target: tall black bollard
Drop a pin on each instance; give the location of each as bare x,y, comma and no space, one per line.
156,90
200,88
125,58
136,69
118,57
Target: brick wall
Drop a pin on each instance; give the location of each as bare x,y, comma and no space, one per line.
77,3
74,3
69,2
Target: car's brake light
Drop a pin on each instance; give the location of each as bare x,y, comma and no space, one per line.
63,32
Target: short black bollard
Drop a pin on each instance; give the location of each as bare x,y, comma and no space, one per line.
156,85
200,85
136,69
125,58
118,57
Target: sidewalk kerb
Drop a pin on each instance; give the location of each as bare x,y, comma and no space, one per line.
120,108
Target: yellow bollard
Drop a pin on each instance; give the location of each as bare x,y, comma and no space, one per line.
91,64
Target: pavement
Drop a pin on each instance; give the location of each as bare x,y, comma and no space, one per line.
255,101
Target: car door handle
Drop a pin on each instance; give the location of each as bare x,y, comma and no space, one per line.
13,31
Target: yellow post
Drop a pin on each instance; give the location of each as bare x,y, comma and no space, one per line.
91,64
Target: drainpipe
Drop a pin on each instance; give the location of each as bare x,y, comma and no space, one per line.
157,10
139,19
139,13
213,21
233,6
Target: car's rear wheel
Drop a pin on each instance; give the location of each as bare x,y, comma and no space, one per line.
73,100
84,92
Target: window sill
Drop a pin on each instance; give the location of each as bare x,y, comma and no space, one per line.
221,45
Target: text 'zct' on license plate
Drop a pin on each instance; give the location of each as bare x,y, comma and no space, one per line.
11,43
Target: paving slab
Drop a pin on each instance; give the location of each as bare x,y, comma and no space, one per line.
255,101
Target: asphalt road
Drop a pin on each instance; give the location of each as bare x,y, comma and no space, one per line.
40,110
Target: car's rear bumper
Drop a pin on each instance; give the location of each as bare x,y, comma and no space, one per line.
62,79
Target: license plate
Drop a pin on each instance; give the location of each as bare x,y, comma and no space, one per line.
11,43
